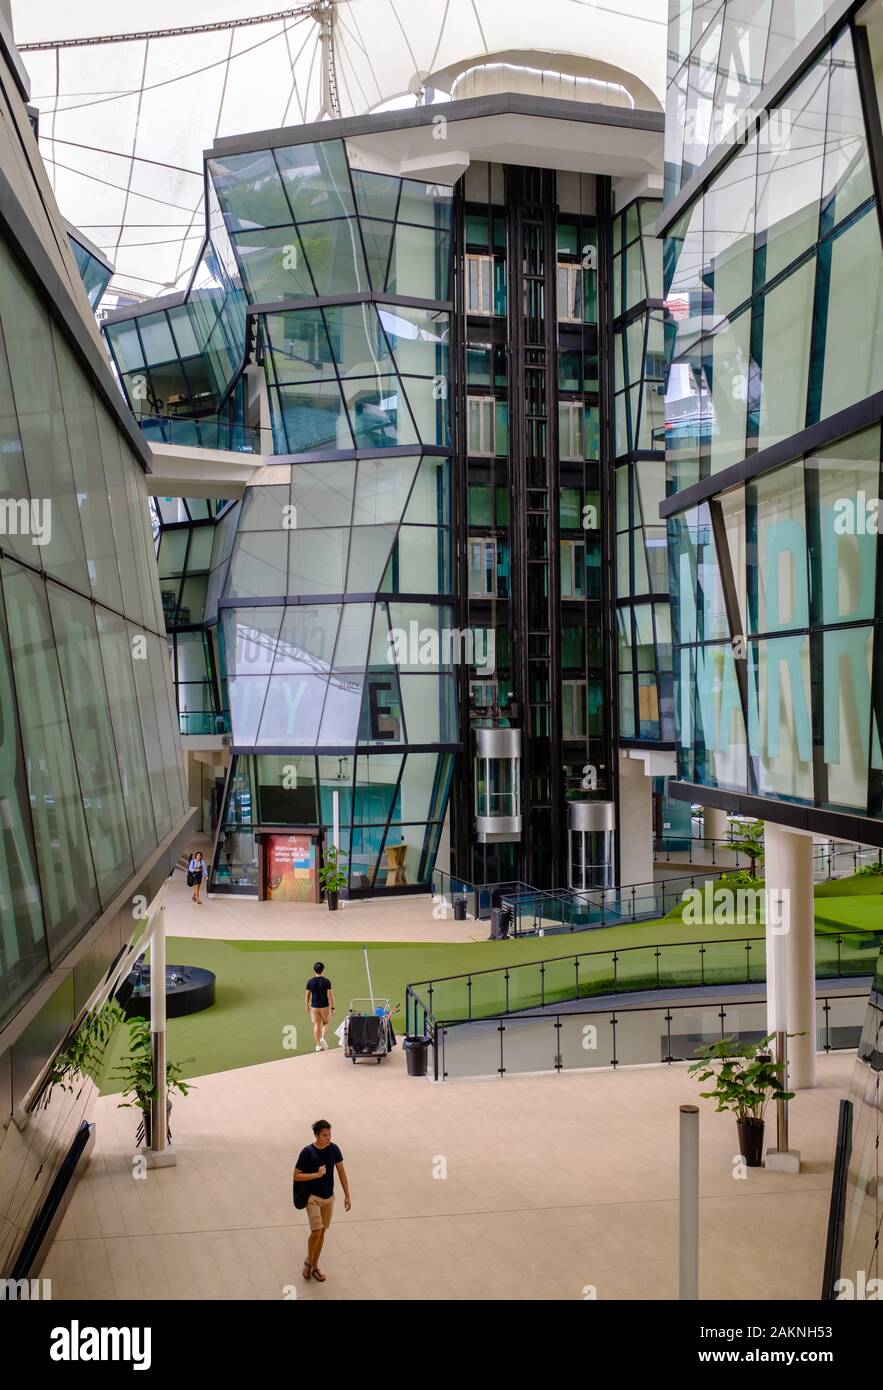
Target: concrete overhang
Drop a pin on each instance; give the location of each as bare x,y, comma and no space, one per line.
179,470
438,142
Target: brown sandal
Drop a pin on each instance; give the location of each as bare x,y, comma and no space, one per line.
317,1274
307,1270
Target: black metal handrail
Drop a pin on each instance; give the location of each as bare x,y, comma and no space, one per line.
416,1004
616,1019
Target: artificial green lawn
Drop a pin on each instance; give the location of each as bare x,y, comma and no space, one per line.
260,984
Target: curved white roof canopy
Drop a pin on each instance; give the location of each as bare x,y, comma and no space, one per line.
130,95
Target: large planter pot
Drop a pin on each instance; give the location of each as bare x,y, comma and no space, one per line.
751,1141
332,898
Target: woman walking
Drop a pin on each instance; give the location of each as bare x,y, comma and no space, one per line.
195,875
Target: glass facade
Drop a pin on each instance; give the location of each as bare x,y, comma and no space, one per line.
643,619
721,53
774,328
93,781
773,281
780,575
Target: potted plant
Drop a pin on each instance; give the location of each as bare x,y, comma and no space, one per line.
332,878
136,1073
745,1079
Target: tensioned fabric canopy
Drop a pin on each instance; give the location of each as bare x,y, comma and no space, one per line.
129,95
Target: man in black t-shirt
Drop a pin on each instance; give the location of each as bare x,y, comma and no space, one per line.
315,1165
319,998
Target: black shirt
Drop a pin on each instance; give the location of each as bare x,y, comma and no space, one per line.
319,987
310,1160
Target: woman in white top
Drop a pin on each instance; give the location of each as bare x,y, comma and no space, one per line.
196,873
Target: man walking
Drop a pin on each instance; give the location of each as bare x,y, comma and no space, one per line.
315,1165
319,998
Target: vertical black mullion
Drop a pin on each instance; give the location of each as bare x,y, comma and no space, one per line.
867,87
393,239
875,775
607,451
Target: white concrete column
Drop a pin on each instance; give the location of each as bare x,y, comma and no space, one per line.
715,825
790,947
635,827
159,1154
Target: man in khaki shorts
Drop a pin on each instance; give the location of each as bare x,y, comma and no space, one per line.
315,1165
319,998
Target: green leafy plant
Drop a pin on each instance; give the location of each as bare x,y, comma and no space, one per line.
870,871
136,1071
82,1056
741,878
745,1079
331,876
748,840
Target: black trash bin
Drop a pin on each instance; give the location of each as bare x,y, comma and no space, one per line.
416,1052
459,909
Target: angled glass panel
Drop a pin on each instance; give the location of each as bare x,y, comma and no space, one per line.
317,561
334,254
846,182
259,565
273,265
67,876
249,190
341,712
119,675
322,493
377,238
76,641
374,795
314,418
430,708
419,264
382,489
359,346
428,204
779,717
847,661
418,338
789,173
787,318
844,543
263,509
153,746
353,636
82,433
299,346
379,412
317,180
370,548
306,641
24,953
292,711
430,497
853,347
250,641
728,248
377,195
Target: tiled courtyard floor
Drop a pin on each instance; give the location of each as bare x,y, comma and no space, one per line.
553,1183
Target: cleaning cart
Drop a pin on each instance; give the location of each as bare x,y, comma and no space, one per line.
367,1028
